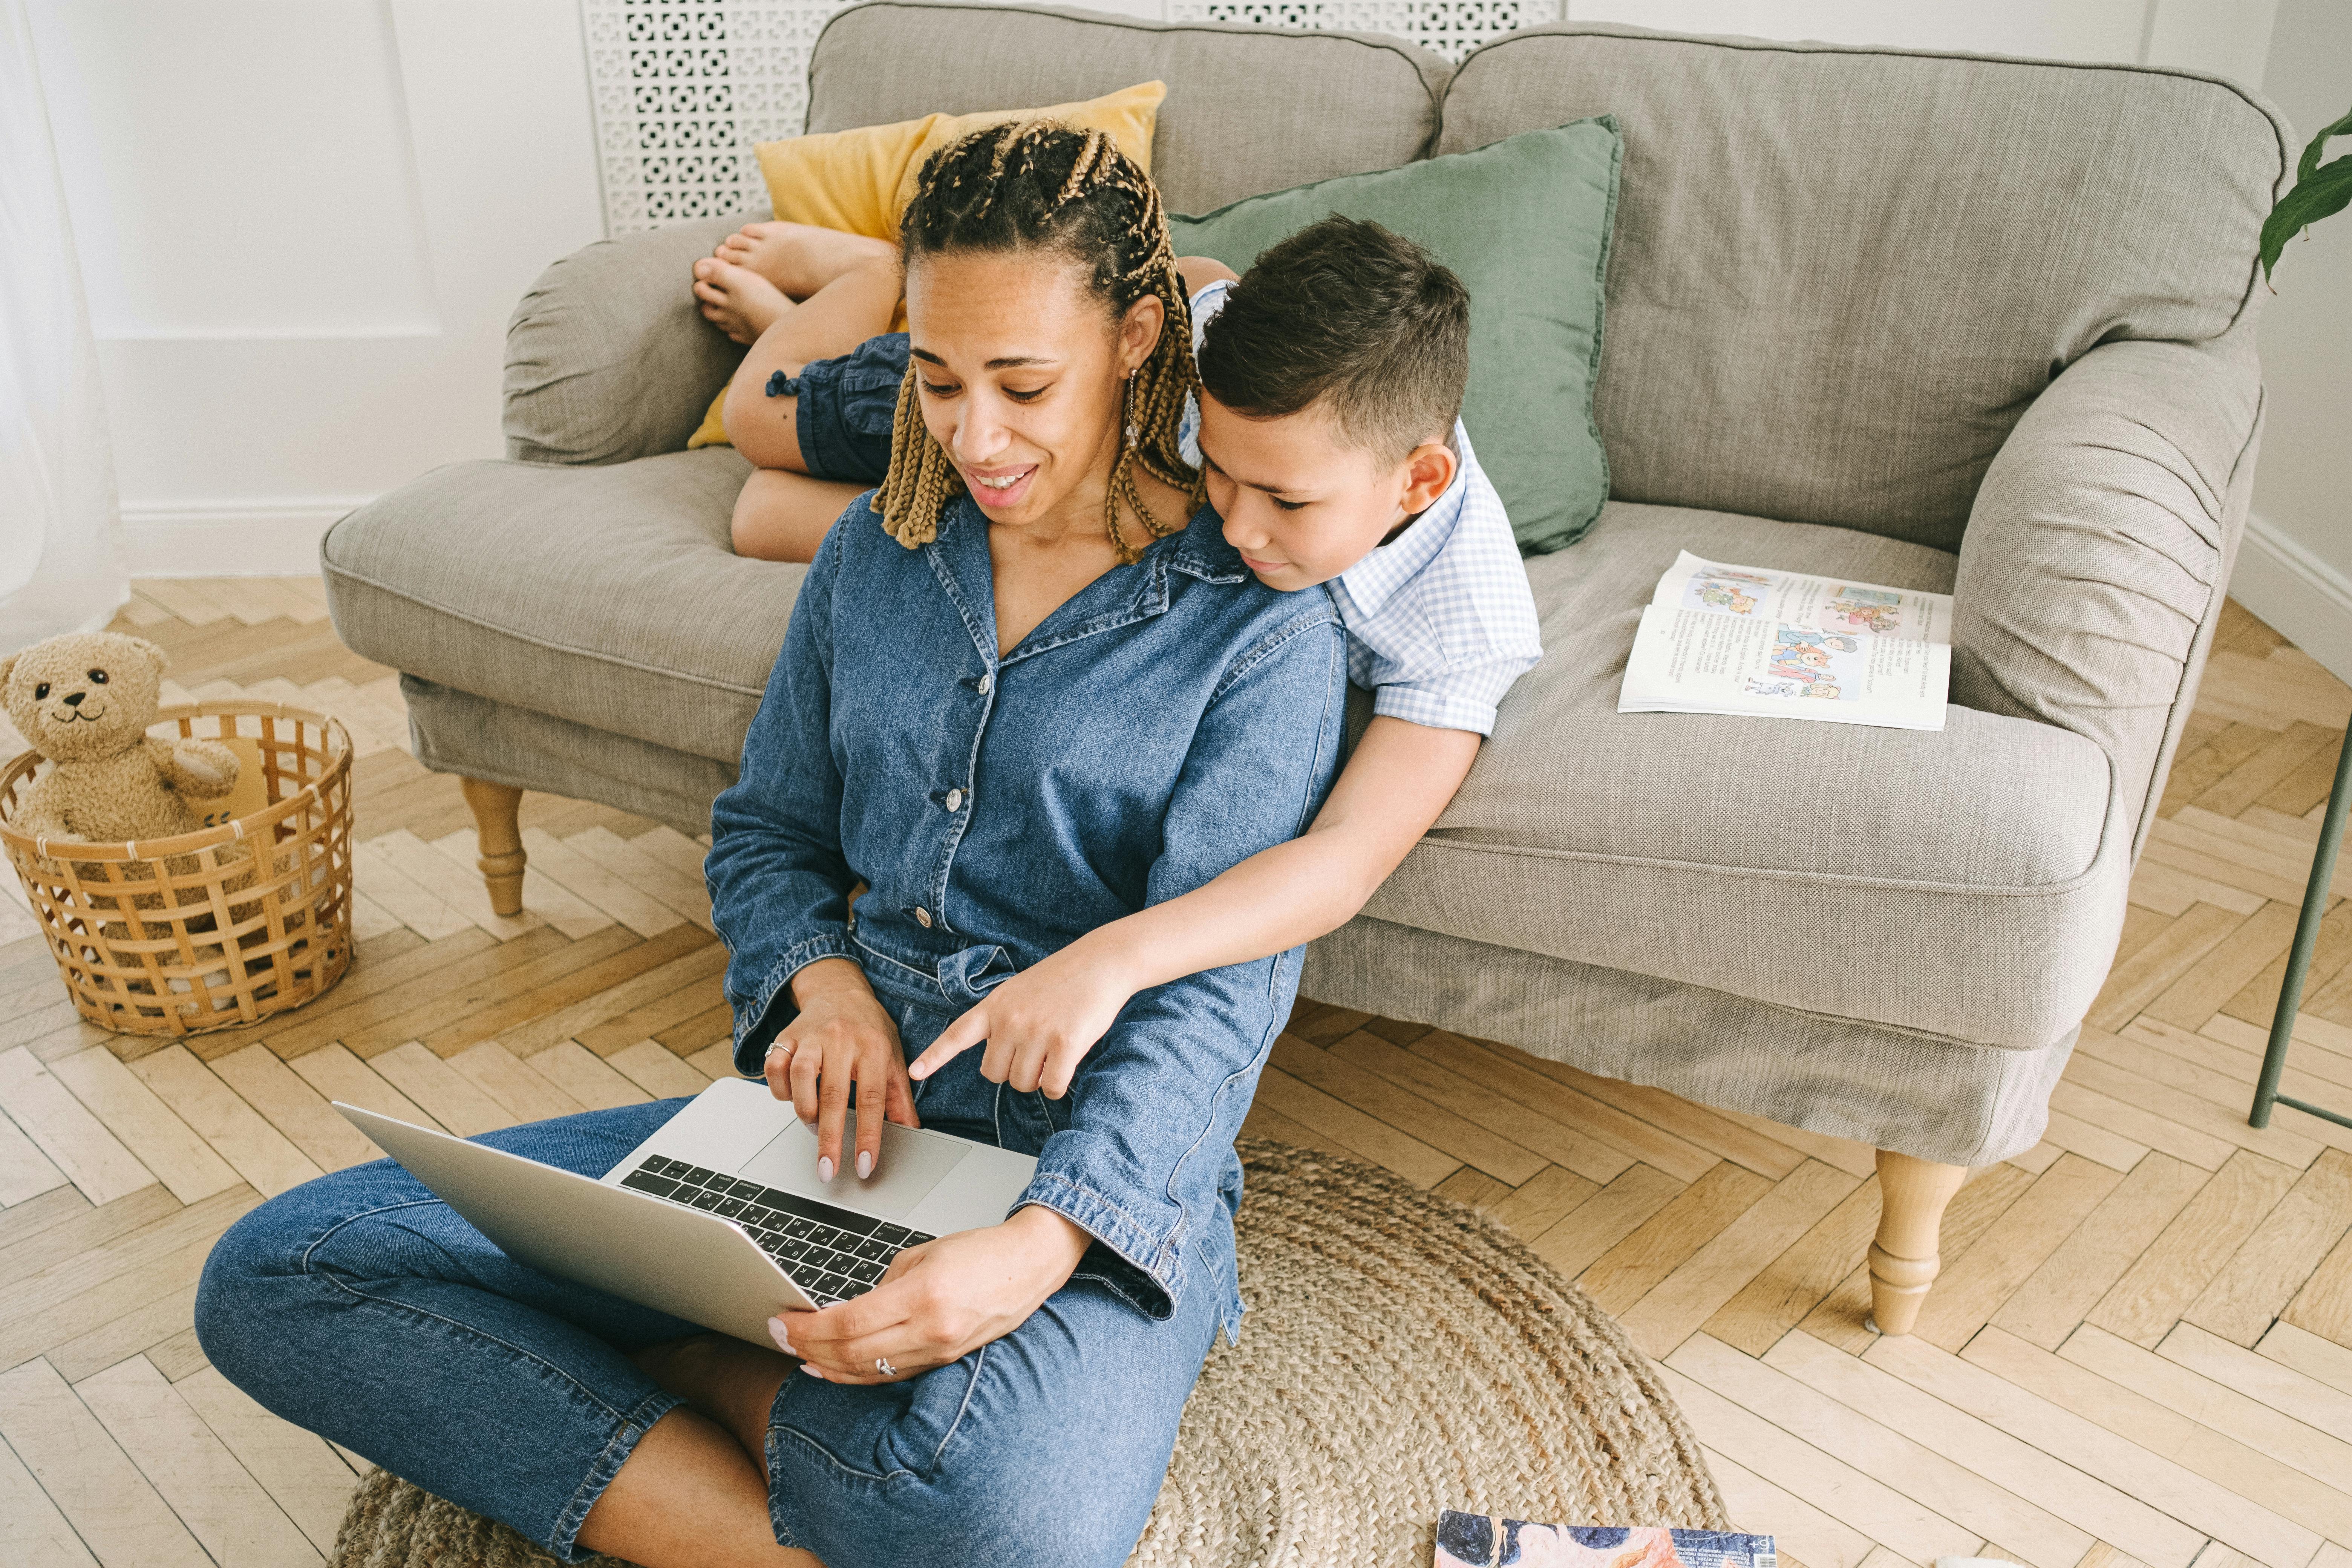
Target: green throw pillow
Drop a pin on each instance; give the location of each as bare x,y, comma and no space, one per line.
1525,223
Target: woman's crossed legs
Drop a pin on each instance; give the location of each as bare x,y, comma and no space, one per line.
362,1308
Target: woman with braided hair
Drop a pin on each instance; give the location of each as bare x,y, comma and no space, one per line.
987,195
1027,689
816,402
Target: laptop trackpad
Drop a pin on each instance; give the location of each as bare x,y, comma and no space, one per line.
911,1164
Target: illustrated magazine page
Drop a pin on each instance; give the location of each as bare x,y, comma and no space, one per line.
1785,645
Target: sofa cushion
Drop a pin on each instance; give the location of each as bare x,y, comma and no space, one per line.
1525,224
607,597
1840,275
1247,110
1958,881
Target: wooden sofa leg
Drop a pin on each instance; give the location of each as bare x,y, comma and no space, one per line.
1904,1260
498,835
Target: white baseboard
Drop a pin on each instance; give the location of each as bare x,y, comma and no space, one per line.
231,539
2302,596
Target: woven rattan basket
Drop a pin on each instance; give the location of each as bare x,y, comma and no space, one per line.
216,928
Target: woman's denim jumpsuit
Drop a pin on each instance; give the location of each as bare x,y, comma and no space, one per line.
1170,721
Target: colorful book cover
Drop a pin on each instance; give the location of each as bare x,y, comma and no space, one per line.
1475,1540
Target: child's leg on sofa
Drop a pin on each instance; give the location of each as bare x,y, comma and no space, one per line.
859,304
783,516
783,511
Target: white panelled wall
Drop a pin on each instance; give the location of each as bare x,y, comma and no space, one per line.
303,224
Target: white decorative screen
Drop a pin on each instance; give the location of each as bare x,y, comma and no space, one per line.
1449,27
683,88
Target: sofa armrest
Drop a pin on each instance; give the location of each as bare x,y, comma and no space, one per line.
2099,547
607,358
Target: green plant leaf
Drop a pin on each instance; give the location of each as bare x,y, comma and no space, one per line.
2302,170
2322,193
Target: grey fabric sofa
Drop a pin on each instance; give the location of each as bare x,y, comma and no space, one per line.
1975,325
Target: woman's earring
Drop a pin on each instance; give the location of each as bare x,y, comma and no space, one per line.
1133,436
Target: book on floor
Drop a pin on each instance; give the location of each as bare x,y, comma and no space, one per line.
1789,645
1476,1540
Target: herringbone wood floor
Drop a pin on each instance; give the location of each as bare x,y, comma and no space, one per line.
2140,1349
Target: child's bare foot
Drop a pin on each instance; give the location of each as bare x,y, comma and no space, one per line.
799,258
736,300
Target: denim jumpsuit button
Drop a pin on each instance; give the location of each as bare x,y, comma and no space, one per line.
923,918
955,800
986,681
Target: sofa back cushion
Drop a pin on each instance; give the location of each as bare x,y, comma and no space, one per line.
1840,275
1525,224
1247,110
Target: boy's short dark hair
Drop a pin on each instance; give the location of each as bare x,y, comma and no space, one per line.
1349,312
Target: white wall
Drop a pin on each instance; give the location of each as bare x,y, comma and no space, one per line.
303,224
2295,567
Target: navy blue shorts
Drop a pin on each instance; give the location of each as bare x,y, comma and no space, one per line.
846,408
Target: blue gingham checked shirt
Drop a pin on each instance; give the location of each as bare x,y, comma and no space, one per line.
1440,619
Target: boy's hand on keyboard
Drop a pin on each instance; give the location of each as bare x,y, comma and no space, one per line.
938,1302
843,1036
1039,1024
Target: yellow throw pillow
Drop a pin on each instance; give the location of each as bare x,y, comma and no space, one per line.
860,181
713,431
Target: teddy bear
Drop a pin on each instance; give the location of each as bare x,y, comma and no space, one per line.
84,700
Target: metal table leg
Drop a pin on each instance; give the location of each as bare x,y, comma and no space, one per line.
2298,958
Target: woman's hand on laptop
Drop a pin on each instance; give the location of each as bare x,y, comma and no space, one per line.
1039,1024
938,1302
843,1036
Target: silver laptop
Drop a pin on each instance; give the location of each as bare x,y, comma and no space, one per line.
718,1217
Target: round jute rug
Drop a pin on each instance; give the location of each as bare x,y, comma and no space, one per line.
1402,1356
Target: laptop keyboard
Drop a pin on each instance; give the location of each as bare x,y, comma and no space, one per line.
832,1253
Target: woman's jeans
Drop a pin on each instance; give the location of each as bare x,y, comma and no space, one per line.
363,1308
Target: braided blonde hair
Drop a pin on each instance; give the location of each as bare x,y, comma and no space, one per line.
1038,184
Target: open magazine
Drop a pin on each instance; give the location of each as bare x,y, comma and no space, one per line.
1475,1540
1785,645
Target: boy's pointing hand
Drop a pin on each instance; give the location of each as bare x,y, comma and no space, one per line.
1038,1024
